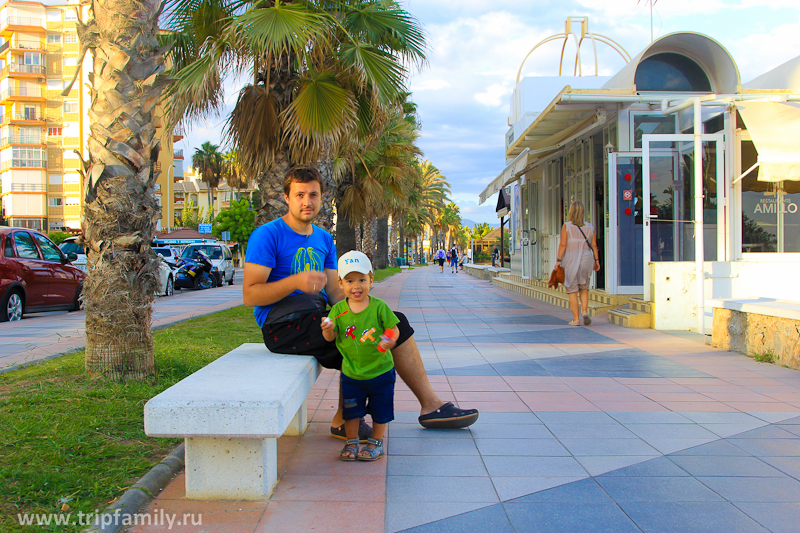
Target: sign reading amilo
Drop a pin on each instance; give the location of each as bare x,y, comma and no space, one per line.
770,205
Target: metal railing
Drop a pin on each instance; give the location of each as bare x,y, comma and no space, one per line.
179,153
22,21
27,187
21,116
23,69
23,163
37,92
23,139
28,45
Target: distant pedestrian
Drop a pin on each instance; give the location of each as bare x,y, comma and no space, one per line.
454,260
578,254
463,260
495,256
440,255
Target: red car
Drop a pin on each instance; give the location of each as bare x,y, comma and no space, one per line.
35,275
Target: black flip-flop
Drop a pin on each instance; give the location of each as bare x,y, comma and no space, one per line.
364,432
449,416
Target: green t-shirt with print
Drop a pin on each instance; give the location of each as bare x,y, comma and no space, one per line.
358,335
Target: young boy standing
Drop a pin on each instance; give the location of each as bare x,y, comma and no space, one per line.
365,329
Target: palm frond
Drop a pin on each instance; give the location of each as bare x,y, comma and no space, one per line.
253,128
375,68
281,28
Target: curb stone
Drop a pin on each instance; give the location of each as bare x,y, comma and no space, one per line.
112,519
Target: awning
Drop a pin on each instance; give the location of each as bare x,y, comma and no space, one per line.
774,128
509,173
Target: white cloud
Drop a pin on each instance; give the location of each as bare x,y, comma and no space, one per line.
495,95
426,85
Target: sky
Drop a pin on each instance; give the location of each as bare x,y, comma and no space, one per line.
476,48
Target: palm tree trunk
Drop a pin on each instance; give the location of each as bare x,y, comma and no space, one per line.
382,243
270,184
345,231
120,206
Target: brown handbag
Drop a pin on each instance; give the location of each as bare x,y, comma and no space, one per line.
557,276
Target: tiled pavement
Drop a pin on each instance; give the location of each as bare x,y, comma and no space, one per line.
590,429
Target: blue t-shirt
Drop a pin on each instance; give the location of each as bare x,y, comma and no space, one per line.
286,252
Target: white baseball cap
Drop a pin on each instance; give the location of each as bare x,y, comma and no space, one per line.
354,261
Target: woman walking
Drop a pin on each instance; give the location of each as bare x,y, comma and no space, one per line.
578,254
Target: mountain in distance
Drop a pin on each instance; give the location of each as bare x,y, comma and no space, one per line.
467,223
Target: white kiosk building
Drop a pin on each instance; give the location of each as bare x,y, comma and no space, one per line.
690,177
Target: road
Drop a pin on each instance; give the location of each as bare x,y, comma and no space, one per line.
46,335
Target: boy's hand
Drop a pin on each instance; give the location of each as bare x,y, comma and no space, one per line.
328,327
388,339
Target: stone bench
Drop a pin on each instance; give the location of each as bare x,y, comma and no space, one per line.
755,326
231,413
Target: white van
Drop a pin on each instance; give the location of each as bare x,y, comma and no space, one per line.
221,259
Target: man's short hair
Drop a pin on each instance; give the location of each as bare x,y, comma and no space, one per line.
302,174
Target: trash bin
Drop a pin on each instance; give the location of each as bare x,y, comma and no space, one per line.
401,261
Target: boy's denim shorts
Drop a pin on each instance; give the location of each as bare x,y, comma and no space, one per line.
374,396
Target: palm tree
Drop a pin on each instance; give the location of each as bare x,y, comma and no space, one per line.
428,195
208,162
319,71
450,221
120,209
233,173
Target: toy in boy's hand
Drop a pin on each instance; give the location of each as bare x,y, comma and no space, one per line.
387,336
328,320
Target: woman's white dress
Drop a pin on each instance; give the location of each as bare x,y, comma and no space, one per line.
578,260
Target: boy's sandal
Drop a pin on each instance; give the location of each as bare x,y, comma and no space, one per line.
374,453
364,432
574,323
448,416
350,450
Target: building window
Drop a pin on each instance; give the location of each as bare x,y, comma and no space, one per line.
53,39
27,157
652,124
31,58
671,72
70,37
70,14
55,202
54,179
54,132
56,226
71,107
72,200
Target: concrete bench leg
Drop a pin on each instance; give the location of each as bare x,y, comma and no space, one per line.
231,469
299,423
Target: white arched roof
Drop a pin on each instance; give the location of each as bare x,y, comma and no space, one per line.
785,76
712,57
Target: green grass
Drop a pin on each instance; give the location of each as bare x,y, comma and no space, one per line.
765,357
68,438
385,273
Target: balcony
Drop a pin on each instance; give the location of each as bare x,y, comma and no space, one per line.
23,117
26,187
23,139
178,154
16,68
22,21
35,46
23,92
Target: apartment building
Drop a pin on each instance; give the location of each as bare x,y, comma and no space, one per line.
42,132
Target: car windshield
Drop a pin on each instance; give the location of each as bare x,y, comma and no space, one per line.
213,252
71,247
163,252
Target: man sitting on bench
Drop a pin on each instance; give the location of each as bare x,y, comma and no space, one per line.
290,276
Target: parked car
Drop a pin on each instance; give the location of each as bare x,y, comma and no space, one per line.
169,254
70,246
35,275
166,279
221,260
